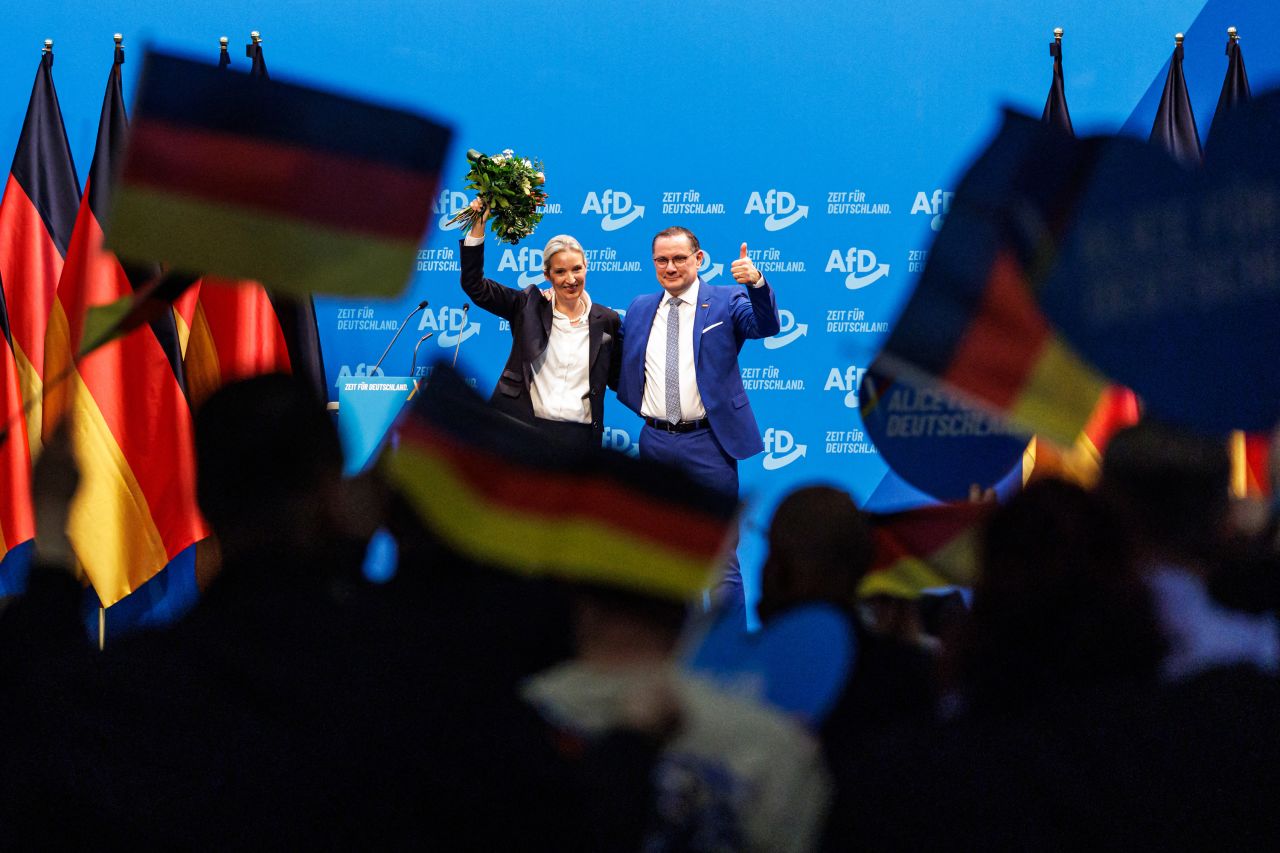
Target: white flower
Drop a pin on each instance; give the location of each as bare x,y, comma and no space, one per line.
527,164
499,159
508,152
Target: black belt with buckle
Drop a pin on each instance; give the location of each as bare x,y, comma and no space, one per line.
682,426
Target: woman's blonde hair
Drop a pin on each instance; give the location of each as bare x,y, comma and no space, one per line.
560,243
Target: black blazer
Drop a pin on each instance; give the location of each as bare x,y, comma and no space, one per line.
529,313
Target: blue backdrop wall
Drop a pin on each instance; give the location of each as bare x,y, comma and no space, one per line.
827,136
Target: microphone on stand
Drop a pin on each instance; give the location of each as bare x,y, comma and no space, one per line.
413,368
465,307
403,323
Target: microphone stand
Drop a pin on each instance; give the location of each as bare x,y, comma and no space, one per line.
413,367
466,306
403,323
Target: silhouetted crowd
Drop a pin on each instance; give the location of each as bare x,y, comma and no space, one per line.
1111,684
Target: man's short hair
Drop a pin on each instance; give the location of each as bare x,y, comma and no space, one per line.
676,231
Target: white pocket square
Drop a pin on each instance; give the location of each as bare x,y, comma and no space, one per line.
712,326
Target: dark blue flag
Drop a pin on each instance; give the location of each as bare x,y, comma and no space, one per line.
1175,126
1235,87
1055,106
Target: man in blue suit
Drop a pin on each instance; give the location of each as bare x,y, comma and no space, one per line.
680,368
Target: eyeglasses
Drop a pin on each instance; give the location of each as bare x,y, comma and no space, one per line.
678,260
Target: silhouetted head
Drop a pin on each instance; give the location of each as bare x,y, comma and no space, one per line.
819,549
1172,487
268,465
1059,604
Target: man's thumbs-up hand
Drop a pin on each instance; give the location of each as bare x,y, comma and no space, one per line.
744,271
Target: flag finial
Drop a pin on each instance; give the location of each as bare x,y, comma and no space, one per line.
1057,34
1177,38
48,46
1233,34
222,44
119,39
256,36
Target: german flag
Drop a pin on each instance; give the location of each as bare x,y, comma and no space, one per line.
1250,464
130,422
506,495
229,330
17,519
235,334
995,347
924,548
250,178
975,323
1082,461
36,218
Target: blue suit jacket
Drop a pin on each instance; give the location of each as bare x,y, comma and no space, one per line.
726,317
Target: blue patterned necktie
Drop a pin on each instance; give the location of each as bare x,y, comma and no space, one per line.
673,360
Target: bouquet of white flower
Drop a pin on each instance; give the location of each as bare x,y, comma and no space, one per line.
510,188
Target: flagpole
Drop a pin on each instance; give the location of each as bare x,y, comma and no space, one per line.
102,628
1233,34
48,46
1057,34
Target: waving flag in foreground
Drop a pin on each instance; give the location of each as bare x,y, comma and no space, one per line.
249,178
587,516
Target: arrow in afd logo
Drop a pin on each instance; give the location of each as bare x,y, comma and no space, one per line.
615,207
780,207
788,331
449,324
709,270
773,223
855,281
781,449
609,223
860,266
448,204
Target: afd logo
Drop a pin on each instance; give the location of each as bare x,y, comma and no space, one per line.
846,380
361,371
707,269
780,207
788,331
937,205
449,324
615,207
528,262
780,449
860,264
620,441
449,204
